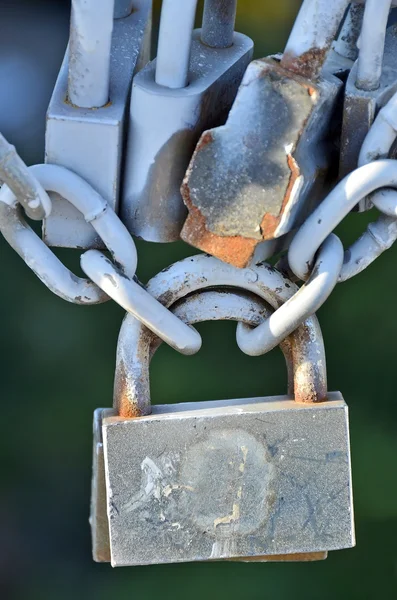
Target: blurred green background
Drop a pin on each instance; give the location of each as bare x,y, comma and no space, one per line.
57,366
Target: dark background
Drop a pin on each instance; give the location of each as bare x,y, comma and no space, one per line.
57,366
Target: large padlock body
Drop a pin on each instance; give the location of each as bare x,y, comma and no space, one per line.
228,479
258,176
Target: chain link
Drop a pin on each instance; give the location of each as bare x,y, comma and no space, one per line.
51,271
315,254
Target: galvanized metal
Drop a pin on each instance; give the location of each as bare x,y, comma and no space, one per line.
201,272
219,19
346,43
165,125
372,44
138,302
26,188
361,107
324,219
305,303
91,29
257,177
174,43
90,142
41,259
228,479
312,35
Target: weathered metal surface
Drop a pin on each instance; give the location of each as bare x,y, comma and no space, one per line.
234,479
98,514
257,177
132,393
361,107
219,18
165,125
27,190
90,141
91,27
346,44
312,35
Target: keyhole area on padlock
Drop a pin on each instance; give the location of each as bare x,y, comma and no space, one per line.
219,371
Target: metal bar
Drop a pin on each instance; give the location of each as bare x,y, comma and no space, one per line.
91,29
346,44
174,44
312,35
372,44
123,8
219,18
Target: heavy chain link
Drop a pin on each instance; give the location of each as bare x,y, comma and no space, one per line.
315,254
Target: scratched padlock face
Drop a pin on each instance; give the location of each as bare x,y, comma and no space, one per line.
248,479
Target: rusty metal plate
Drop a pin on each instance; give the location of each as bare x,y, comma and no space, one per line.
229,479
256,178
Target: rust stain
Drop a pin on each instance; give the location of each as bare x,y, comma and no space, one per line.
309,388
235,250
302,557
205,139
307,64
269,222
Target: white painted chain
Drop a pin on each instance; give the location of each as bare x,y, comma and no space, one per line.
116,238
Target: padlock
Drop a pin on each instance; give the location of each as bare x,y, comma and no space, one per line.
257,177
238,305
254,478
188,88
207,305
364,99
86,120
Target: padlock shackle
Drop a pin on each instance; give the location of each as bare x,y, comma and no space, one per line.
312,35
91,27
174,43
219,19
131,390
372,44
346,43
